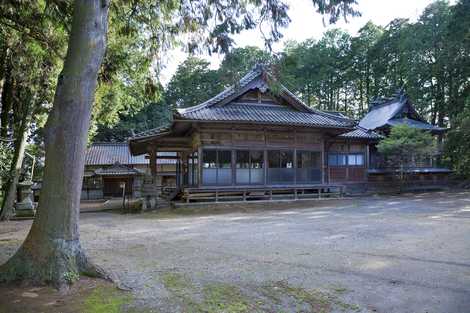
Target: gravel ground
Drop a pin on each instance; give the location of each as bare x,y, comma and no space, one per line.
408,253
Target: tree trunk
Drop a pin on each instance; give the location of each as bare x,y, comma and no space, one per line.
3,59
7,99
15,170
52,252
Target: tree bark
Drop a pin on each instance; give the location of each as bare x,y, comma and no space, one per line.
6,97
7,209
3,59
52,250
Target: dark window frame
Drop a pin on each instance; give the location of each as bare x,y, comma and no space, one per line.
217,166
249,167
346,156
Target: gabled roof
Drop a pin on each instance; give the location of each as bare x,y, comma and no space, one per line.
414,124
265,114
112,153
224,107
162,130
394,111
361,133
117,169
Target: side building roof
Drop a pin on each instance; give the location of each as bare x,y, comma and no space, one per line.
361,133
397,110
112,153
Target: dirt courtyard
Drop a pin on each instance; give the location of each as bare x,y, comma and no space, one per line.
408,253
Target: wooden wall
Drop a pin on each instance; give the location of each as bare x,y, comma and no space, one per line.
348,173
217,135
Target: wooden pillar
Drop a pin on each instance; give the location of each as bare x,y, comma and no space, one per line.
199,166
153,162
153,171
184,168
294,166
265,160
325,166
367,162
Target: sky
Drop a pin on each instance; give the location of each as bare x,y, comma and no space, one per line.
306,23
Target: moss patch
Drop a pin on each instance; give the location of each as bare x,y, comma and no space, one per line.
301,298
211,298
226,298
106,300
273,297
176,282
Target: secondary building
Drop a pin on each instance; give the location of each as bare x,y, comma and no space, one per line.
111,171
384,113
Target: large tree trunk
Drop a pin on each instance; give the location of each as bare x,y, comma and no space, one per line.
15,170
52,252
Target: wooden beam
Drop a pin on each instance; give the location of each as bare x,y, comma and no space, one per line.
153,161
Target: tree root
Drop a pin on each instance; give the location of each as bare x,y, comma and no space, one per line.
58,263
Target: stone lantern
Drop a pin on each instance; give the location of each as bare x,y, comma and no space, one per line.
25,206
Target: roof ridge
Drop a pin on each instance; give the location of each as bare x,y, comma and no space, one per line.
147,132
247,78
107,143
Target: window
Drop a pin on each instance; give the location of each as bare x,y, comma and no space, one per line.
224,158
217,167
340,159
249,167
355,159
243,167
257,167
280,167
337,159
210,159
192,169
308,166
287,159
274,159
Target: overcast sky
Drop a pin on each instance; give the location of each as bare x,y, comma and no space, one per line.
306,23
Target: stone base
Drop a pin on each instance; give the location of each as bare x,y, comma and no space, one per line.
25,209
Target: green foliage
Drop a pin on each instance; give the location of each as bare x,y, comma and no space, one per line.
430,57
6,155
457,148
71,277
340,72
405,144
193,83
239,61
152,115
140,32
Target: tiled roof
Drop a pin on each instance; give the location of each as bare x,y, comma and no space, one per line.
221,108
414,124
380,114
111,153
153,132
116,170
390,112
361,133
298,113
244,81
262,113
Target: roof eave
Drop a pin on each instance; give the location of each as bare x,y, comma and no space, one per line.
265,123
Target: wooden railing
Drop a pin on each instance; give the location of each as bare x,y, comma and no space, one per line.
268,193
